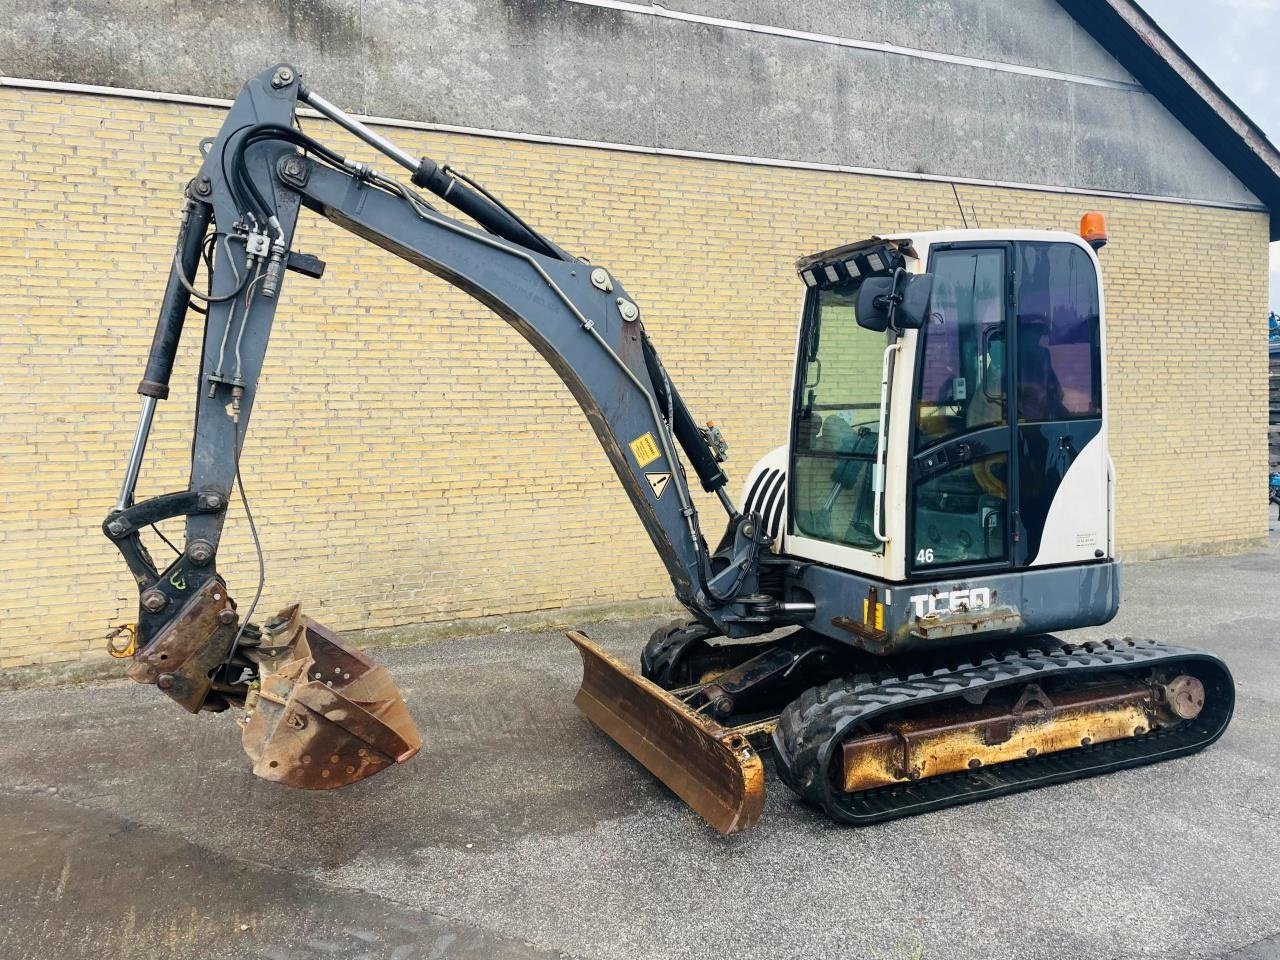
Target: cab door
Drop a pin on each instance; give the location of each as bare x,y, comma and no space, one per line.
962,466
1062,506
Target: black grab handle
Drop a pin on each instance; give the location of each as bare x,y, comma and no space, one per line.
173,309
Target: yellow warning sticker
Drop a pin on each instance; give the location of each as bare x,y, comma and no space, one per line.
645,449
879,615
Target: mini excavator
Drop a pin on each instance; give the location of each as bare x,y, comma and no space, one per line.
877,610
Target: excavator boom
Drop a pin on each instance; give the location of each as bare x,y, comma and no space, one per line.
318,714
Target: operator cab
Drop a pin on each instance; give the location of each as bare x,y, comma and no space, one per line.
948,410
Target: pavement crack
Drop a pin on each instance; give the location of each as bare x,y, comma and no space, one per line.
1239,953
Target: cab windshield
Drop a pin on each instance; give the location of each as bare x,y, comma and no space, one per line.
837,419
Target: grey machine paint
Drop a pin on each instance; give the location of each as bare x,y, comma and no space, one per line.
576,315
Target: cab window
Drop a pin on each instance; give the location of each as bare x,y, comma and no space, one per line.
1059,357
962,377
837,418
960,489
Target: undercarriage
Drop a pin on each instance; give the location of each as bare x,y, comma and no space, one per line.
867,739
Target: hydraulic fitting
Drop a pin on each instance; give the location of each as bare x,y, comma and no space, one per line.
275,270
257,244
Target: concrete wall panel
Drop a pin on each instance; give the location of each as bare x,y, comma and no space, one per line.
198,47
765,96
566,69
1031,33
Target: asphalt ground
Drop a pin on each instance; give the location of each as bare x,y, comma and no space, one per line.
133,830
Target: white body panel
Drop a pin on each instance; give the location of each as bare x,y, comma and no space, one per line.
765,494
1078,523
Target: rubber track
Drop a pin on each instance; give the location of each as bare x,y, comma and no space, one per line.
811,728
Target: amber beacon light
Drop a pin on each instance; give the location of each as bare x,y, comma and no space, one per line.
1093,229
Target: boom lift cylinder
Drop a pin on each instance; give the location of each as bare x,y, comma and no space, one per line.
686,430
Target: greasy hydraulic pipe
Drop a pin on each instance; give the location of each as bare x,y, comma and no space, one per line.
428,175
173,308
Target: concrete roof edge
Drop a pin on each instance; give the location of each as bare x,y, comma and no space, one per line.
1129,34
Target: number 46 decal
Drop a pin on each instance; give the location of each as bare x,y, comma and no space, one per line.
925,556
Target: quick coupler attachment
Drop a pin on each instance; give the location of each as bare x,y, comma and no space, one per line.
318,714
187,653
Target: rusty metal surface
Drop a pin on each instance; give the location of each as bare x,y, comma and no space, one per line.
951,741
324,715
180,659
1183,697
950,625
873,638
714,769
870,629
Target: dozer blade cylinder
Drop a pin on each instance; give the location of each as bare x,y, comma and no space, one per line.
325,715
712,769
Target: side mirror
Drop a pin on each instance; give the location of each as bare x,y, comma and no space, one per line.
900,301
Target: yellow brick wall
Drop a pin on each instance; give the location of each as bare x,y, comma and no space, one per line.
411,459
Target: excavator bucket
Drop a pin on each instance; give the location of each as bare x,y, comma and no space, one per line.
713,769
324,715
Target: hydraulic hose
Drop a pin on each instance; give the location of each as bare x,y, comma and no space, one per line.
448,185
244,189
686,431
430,176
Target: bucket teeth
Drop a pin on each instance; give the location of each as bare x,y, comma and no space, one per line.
324,715
711,768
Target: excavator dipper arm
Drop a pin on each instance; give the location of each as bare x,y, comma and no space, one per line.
320,715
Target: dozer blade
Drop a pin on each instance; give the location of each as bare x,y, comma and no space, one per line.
713,769
325,715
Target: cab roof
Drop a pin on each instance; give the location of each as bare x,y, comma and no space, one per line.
909,244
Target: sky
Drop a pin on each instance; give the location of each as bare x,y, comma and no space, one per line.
1237,43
